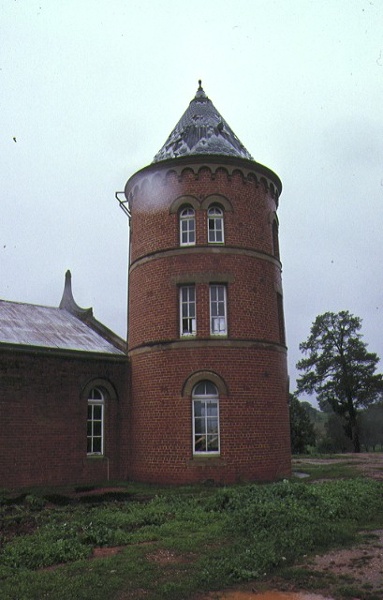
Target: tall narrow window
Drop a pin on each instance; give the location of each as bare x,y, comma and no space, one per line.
215,225
275,240
281,321
218,310
188,310
95,422
187,227
205,418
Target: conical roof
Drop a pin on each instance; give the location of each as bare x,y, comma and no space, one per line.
201,130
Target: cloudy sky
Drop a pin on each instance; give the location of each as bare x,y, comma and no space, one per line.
90,90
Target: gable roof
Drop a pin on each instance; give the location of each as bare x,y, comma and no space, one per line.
201,130
44,327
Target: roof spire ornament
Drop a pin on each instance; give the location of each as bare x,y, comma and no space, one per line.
68,302
201,131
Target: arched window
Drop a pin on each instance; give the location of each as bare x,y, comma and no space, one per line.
187,226
205,418
95,422
215,225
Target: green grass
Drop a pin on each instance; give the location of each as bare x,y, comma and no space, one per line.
346,469
173,541
330,471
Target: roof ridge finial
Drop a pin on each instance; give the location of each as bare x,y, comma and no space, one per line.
200,95
68,302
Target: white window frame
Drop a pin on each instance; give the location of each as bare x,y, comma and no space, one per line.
187,226
206,429
95,423
188,310
215,225
218,309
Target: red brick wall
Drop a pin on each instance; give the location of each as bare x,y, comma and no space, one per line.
254,421
251,359
43,420
247,226
251,296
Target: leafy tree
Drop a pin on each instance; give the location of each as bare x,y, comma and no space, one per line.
319,420
371,425
301,429
336,434
339,369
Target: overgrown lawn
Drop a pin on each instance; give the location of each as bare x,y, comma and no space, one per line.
173,543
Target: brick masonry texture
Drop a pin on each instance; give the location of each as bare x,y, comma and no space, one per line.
44,420
250,360
253,416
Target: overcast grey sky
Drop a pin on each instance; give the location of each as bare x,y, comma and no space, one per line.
90,90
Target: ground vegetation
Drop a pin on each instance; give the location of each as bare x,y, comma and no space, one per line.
164,543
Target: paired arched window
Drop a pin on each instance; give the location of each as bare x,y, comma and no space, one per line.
215,225
187,226
205,401
95,422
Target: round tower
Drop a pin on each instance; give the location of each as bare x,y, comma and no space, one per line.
206,341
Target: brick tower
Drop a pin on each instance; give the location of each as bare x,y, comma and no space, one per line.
206,335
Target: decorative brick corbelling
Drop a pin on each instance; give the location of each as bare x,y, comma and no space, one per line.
251,172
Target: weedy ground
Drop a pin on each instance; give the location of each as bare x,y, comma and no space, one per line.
158,543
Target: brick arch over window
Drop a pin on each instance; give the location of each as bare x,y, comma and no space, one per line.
198,376
218,200
102,384
184,201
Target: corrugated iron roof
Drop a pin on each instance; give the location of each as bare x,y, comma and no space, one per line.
201,130
47,327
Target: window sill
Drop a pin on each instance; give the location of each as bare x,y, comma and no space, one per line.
95,456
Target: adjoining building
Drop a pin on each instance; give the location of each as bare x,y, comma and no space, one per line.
200,391
63,394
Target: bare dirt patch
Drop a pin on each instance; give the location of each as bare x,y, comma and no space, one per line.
105,551
164,557
363,563
370,464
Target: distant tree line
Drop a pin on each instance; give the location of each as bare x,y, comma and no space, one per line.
313,430
339,370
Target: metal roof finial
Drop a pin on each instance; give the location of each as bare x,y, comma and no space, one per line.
199,84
